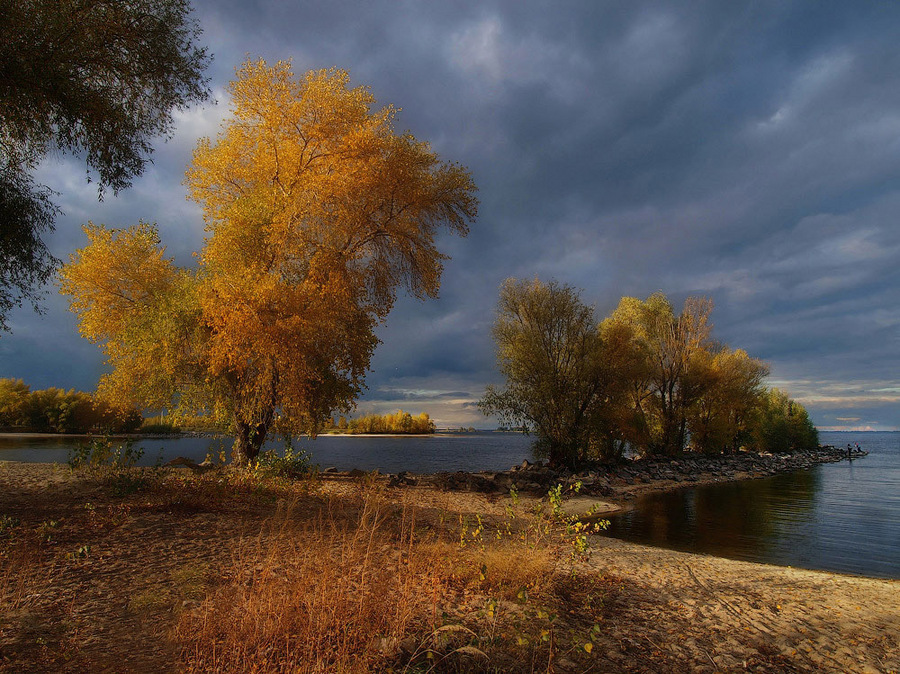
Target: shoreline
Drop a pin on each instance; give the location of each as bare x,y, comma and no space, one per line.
611,488
111,564
614,487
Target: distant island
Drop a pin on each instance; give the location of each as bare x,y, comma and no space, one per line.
398,423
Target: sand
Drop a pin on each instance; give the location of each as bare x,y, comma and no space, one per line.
677,612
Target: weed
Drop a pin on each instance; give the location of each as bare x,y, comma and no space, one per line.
114,465
191,581
82,552
8,524
46,530
289,464
100,452
151,600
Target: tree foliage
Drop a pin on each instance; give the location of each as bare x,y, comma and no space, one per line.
96,78
783,424
399,422
553,358
26,212
317,214
54,410
644,378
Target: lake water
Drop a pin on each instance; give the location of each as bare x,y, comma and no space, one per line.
388,454
839,517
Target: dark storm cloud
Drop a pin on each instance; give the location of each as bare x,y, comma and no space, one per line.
745,151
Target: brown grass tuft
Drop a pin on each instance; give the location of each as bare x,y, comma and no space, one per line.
327,595
352,583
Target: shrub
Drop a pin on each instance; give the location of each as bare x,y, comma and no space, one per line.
290,464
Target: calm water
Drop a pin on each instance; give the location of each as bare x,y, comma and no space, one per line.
418,454
837,517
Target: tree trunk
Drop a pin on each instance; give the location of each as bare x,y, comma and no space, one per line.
248,442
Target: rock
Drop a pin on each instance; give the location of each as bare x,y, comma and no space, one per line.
182,461
565,665
330,469
401,479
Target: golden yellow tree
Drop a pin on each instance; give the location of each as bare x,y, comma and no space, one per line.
731,385
317,214
665,346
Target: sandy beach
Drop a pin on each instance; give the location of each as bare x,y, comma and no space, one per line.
75,606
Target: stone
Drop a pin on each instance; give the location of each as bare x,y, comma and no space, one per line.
182,461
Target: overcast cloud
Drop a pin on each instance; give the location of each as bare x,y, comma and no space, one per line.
745,151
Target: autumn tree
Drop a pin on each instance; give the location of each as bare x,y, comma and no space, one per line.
96,78
646,380
551,354
731,383
14,399
317,214
667,347
54,410
781,424
399,422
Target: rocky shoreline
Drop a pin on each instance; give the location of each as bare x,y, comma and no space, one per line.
623,481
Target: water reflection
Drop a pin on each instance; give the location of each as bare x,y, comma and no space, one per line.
838,517
741,519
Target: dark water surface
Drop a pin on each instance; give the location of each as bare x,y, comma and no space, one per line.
389,454
837,517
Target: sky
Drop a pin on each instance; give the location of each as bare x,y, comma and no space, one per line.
744,151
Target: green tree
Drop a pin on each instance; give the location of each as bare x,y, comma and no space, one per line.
781,424
317,214
96,78
551,354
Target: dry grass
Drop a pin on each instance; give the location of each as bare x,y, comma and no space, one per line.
20,572
24,574
325,594
338,578
361,585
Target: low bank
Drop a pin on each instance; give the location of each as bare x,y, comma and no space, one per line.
617,483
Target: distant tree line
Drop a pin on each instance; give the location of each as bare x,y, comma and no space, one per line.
55,410
644,379
400,422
